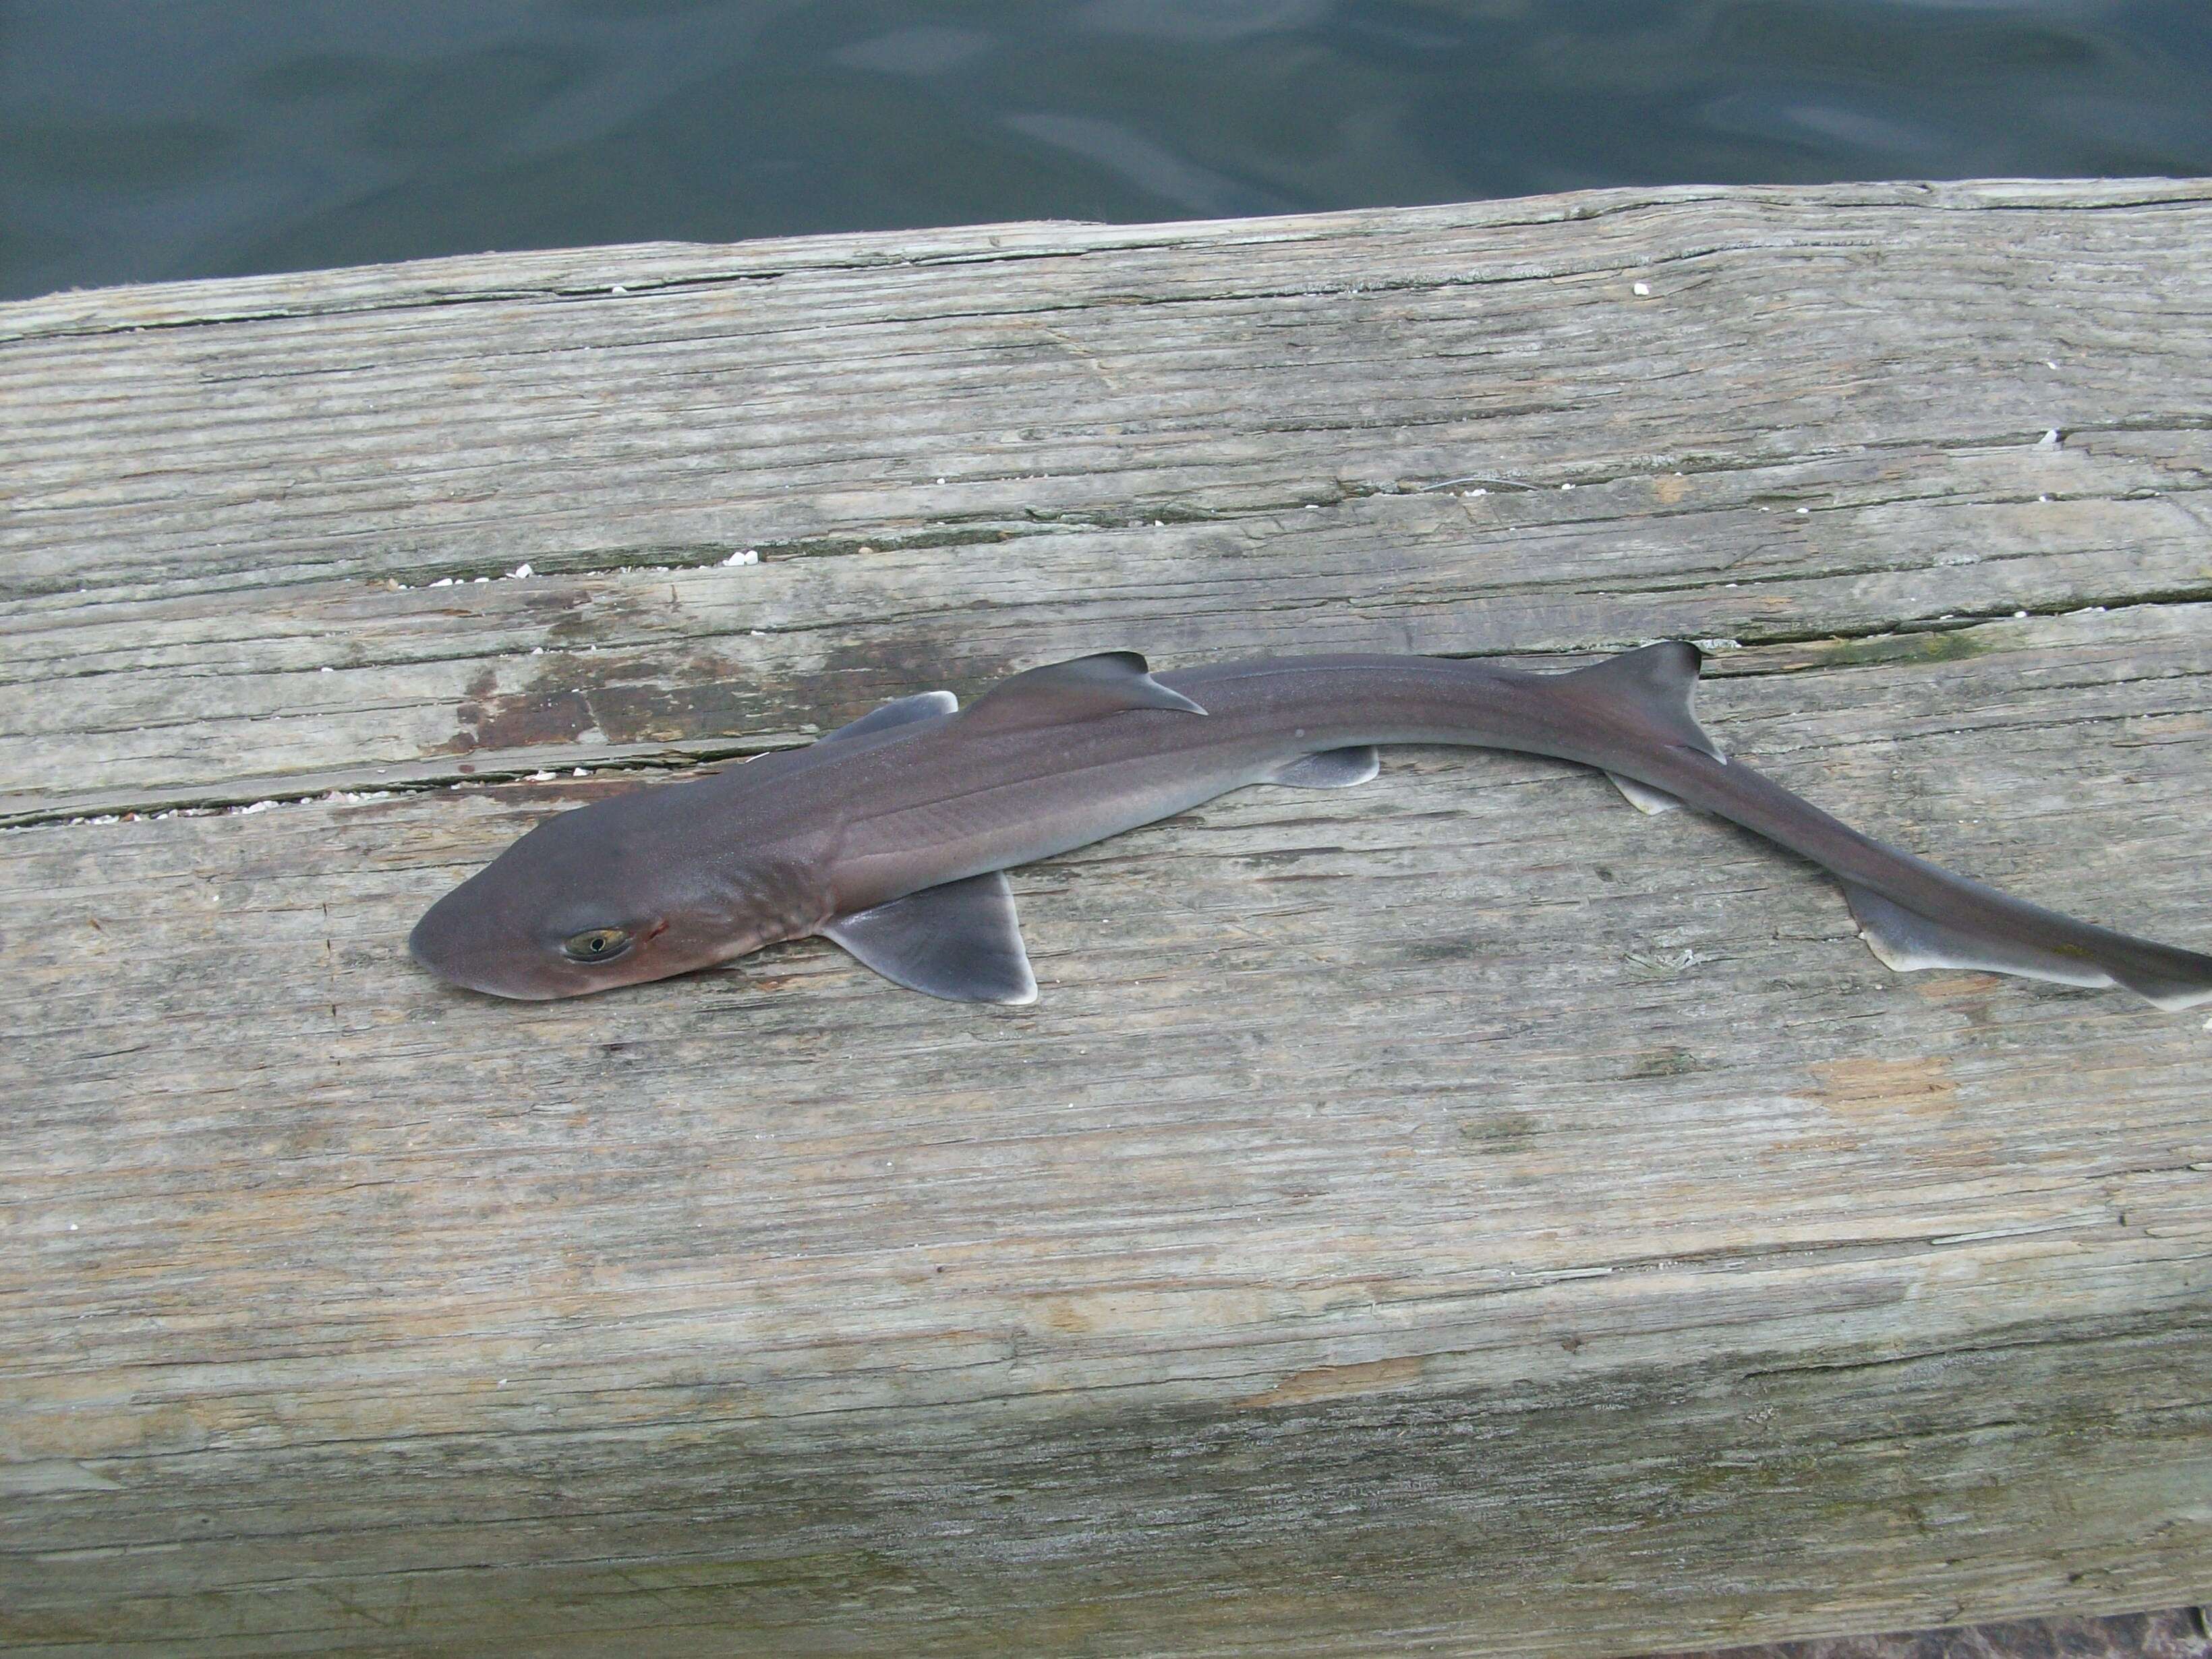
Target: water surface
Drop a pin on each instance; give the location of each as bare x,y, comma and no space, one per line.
143,139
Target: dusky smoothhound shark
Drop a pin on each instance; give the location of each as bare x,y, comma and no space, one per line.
892,836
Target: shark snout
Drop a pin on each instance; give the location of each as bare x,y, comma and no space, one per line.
453,942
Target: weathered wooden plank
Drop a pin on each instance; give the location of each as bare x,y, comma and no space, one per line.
915,433
2169,1633
1332,355
1458,1214
327,685
792,1284
640,267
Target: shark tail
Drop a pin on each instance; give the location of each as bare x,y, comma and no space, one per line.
2049,946
1913,914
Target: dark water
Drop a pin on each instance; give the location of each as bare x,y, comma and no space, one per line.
156,138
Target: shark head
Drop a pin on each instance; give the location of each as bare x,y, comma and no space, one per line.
607,895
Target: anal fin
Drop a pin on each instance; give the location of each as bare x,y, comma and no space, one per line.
1643,797
961,941
1331,769
1905,940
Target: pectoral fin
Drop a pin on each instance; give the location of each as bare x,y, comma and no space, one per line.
961,941
1087,688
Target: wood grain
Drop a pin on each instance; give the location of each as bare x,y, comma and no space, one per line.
2175,1633
1456,1215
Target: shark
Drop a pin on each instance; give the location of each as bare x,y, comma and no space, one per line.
891,835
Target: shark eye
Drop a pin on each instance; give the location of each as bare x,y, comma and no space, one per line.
595,945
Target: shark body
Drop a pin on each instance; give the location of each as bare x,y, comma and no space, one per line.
890,836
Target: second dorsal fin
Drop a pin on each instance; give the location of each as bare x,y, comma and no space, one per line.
1657,682
1085,688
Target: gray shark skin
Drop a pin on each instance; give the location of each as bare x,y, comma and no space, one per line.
890,836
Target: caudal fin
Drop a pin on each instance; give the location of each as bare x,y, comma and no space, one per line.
1912,913
2047,946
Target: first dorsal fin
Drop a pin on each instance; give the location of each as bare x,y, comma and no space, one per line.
1658,681
1086,688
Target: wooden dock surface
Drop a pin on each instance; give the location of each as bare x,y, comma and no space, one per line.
1455,1216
